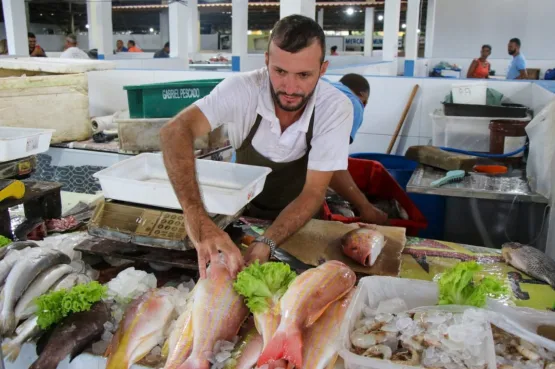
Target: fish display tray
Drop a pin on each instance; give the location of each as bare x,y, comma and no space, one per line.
225,187
372,290
17,143
373,179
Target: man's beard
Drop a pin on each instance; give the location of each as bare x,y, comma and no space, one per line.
512,52
300,105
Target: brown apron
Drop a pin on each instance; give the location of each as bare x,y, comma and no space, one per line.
283,185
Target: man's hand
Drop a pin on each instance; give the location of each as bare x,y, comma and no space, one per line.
257,251
372,215
213,240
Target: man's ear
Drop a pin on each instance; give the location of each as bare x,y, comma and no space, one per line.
324,68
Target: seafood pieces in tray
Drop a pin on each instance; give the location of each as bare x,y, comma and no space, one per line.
433,338
513,352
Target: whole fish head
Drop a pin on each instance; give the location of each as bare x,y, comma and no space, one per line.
218,271
509,249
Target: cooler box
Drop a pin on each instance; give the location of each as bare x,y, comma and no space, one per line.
373,179
165,100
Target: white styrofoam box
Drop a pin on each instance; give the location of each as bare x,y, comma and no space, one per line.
470,93
450,73
16,143
52,65
225,187
370,292
464,133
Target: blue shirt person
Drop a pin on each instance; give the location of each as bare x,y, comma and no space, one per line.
517,68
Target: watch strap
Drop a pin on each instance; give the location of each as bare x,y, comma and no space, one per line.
271,243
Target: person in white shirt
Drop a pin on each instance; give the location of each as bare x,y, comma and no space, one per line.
282,117
71,51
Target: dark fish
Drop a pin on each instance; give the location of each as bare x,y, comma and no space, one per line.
19,245
73,335
531,261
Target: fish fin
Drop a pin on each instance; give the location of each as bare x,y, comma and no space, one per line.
165,349
313,318
284,345
115,340
43,341
11,351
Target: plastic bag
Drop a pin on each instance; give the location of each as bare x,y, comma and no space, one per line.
541,161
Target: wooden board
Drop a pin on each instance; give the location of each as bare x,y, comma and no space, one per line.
319,241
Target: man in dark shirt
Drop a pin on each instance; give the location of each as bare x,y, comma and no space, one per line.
163,53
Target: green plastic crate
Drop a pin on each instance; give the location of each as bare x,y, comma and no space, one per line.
165,100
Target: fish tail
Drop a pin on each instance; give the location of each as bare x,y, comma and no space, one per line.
286,345
7,324
11,351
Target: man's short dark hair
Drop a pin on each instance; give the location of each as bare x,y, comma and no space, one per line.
296,32
167,45
131,42
486,47
516,41
31,35
356,83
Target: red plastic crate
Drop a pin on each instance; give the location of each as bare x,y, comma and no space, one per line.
373,179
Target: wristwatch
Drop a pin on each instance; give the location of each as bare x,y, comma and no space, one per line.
269,242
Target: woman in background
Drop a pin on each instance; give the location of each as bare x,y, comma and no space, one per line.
480,67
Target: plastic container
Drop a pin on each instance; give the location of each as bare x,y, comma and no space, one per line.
225,187
399,167
17,143
507,136
464,133
165,100
492,111
374,180
370,292
470,93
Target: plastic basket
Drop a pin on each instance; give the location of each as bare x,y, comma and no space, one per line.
165,100
373,179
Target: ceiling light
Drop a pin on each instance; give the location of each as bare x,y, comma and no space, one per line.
249,32
41,14
404,26
87,26
350,11
151,30
417,31
380,17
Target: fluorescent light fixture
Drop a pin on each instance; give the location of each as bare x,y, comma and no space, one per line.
350,11
380,17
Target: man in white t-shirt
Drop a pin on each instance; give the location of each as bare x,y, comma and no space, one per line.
71,51
282,117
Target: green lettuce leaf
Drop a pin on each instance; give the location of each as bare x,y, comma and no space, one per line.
263,285
4,241
459,286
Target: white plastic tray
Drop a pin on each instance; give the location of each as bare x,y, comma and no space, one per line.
225,187
372,290
16,143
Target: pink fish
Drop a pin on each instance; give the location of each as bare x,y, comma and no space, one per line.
304,302
320,349
218,313
363,245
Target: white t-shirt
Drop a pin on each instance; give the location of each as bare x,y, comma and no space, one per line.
237,100
74,53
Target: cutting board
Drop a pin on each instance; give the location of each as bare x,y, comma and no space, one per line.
319,241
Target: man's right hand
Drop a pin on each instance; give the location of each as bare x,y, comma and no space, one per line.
212,240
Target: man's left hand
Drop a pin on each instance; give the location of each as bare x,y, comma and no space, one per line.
257,251
372,215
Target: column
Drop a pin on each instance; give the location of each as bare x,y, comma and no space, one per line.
430,28
303,7
368,31
392,16
99,16
179,28
27,15
321,17
16,27
239,28
411,36
164,26
194,33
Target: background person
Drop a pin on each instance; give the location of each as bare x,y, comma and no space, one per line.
333,51
517,68
132,47
71,51
480,67
120,48
164,52
34,48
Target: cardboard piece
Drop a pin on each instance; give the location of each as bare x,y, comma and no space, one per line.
320,241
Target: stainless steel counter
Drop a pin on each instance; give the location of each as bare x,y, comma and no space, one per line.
475,185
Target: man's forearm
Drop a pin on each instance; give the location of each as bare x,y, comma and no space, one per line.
177,147
343,183
295,216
